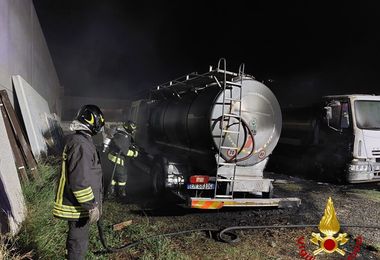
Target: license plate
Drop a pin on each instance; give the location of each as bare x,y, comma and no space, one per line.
206,186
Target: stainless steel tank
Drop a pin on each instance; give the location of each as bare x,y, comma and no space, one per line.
260,112
192,121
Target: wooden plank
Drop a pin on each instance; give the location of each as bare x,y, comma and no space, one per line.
122,225
20,136
19,160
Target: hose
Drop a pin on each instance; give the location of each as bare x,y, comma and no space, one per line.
99,223
112,175
225,235
246,130
245,125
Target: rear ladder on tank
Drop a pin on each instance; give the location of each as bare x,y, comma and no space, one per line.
227,191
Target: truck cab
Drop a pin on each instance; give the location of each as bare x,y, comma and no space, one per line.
357,118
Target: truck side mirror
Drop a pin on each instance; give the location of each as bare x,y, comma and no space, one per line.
329,117
328,111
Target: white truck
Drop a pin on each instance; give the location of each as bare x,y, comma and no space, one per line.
337,139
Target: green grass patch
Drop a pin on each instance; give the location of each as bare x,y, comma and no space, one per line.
9,249
141,228
244,252
41,232
367,194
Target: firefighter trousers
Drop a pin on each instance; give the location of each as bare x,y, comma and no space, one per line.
120,176
77,239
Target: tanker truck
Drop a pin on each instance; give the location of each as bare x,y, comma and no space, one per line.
334,140
206,138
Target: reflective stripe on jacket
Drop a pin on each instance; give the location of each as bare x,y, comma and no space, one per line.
80,183
118,160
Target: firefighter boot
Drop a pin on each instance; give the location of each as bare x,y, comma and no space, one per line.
121,191
111,191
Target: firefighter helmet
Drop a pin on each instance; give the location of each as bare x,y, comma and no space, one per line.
92,117
130,126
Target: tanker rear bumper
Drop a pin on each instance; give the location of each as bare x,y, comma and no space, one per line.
213,203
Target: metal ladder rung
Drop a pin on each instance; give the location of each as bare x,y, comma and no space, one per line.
218,119
232,115
226,163
236,179
221,103
233,84
224,180
232,99
230,131
223,196
229,147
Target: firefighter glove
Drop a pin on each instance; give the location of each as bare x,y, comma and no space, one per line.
94,214
134,147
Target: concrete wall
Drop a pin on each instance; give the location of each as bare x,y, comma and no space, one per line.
23,51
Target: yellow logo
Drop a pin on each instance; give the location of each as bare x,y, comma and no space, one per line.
91,121
329,226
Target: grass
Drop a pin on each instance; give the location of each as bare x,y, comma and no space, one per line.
41,232
152,248
9,250
244,252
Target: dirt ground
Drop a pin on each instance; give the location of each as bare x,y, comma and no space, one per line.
357,204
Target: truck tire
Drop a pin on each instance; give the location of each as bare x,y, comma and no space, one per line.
158,179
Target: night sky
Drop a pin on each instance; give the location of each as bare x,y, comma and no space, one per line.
115,49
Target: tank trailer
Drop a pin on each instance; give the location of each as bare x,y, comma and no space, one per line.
207,139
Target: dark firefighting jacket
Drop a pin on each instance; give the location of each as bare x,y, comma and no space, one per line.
80,183
121,146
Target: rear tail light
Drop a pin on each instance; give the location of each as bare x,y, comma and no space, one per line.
199,179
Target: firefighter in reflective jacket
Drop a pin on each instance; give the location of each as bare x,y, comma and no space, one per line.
78,199
121,148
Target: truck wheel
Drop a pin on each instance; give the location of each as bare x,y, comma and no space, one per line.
158,179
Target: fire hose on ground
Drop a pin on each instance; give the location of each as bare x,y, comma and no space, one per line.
225,235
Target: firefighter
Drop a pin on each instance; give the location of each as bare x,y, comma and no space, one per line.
79,194
121,148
